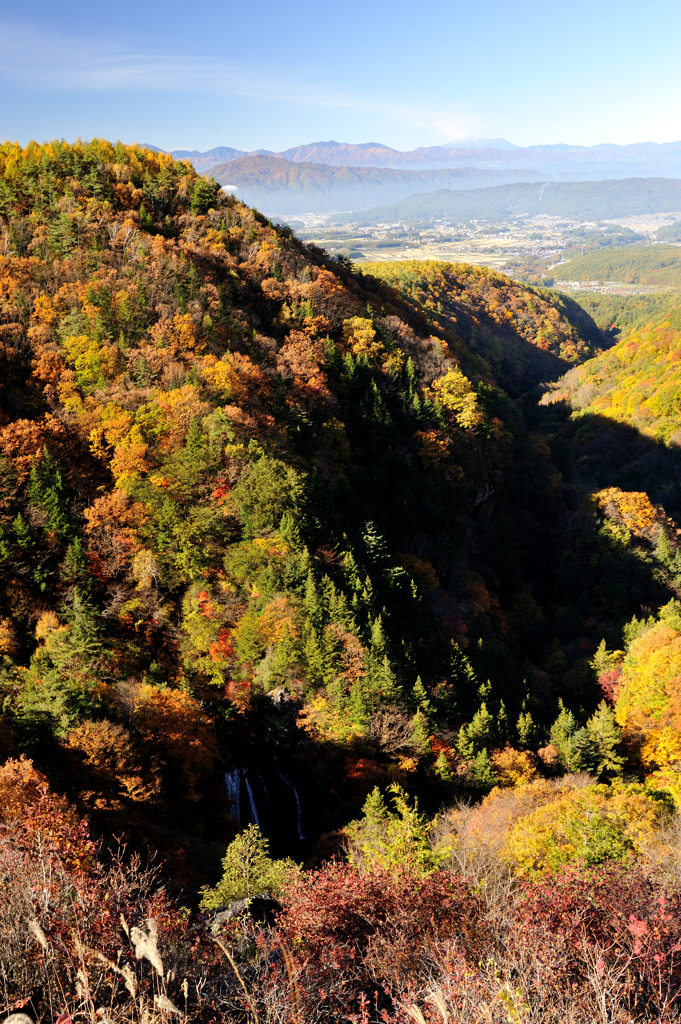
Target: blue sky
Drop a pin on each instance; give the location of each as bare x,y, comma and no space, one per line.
276,74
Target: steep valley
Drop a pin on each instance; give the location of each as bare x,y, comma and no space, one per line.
376,564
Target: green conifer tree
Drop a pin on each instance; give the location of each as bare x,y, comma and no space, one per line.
575,749
412,378
421,700
481,728
463,673
338,606
602,659
22,532
248,870
477,735
75,562
374,543
315,655
195,443
441,767
482,771
605,735
526,731
84,640
393,840
379,641
47,491
420,732
375,810
502,727
381,681
290,532
313,603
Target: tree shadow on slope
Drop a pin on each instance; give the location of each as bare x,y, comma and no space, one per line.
491,337
605,453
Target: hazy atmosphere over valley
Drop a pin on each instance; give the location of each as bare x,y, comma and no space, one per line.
340,513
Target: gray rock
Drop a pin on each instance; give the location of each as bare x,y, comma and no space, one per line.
261,908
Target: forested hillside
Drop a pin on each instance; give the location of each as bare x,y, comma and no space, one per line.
649,264
637,382
517,336
613,314
290,550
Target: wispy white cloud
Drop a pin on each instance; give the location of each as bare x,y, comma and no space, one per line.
37,59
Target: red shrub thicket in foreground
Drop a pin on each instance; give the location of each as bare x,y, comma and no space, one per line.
352,933
81,940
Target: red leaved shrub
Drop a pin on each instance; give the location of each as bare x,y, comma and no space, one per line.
612,923
350,933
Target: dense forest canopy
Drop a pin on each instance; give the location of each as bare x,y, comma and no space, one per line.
517,336
631,264
274,530
614,314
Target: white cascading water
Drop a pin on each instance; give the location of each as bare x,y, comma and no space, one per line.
293,789
251,799
233,790
264,788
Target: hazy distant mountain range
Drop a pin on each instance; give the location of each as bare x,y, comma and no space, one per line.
644,158
284,187
338,177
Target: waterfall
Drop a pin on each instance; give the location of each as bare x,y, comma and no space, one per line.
251,799
285,778
264,788
233,790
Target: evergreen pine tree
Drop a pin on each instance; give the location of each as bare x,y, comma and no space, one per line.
441,767
367,595
602,659
463,672
464,744
667,554
75,562
412,378
477,735
337,604
84,638
484,690
526,731
605,735
379,642
248,870
374,809
482,771
502,729
421,700
360,703
314,606
351,571
290,532
194,442
315,655
47,491
420,731
481,728
573,744
22,532
381,681
374,543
